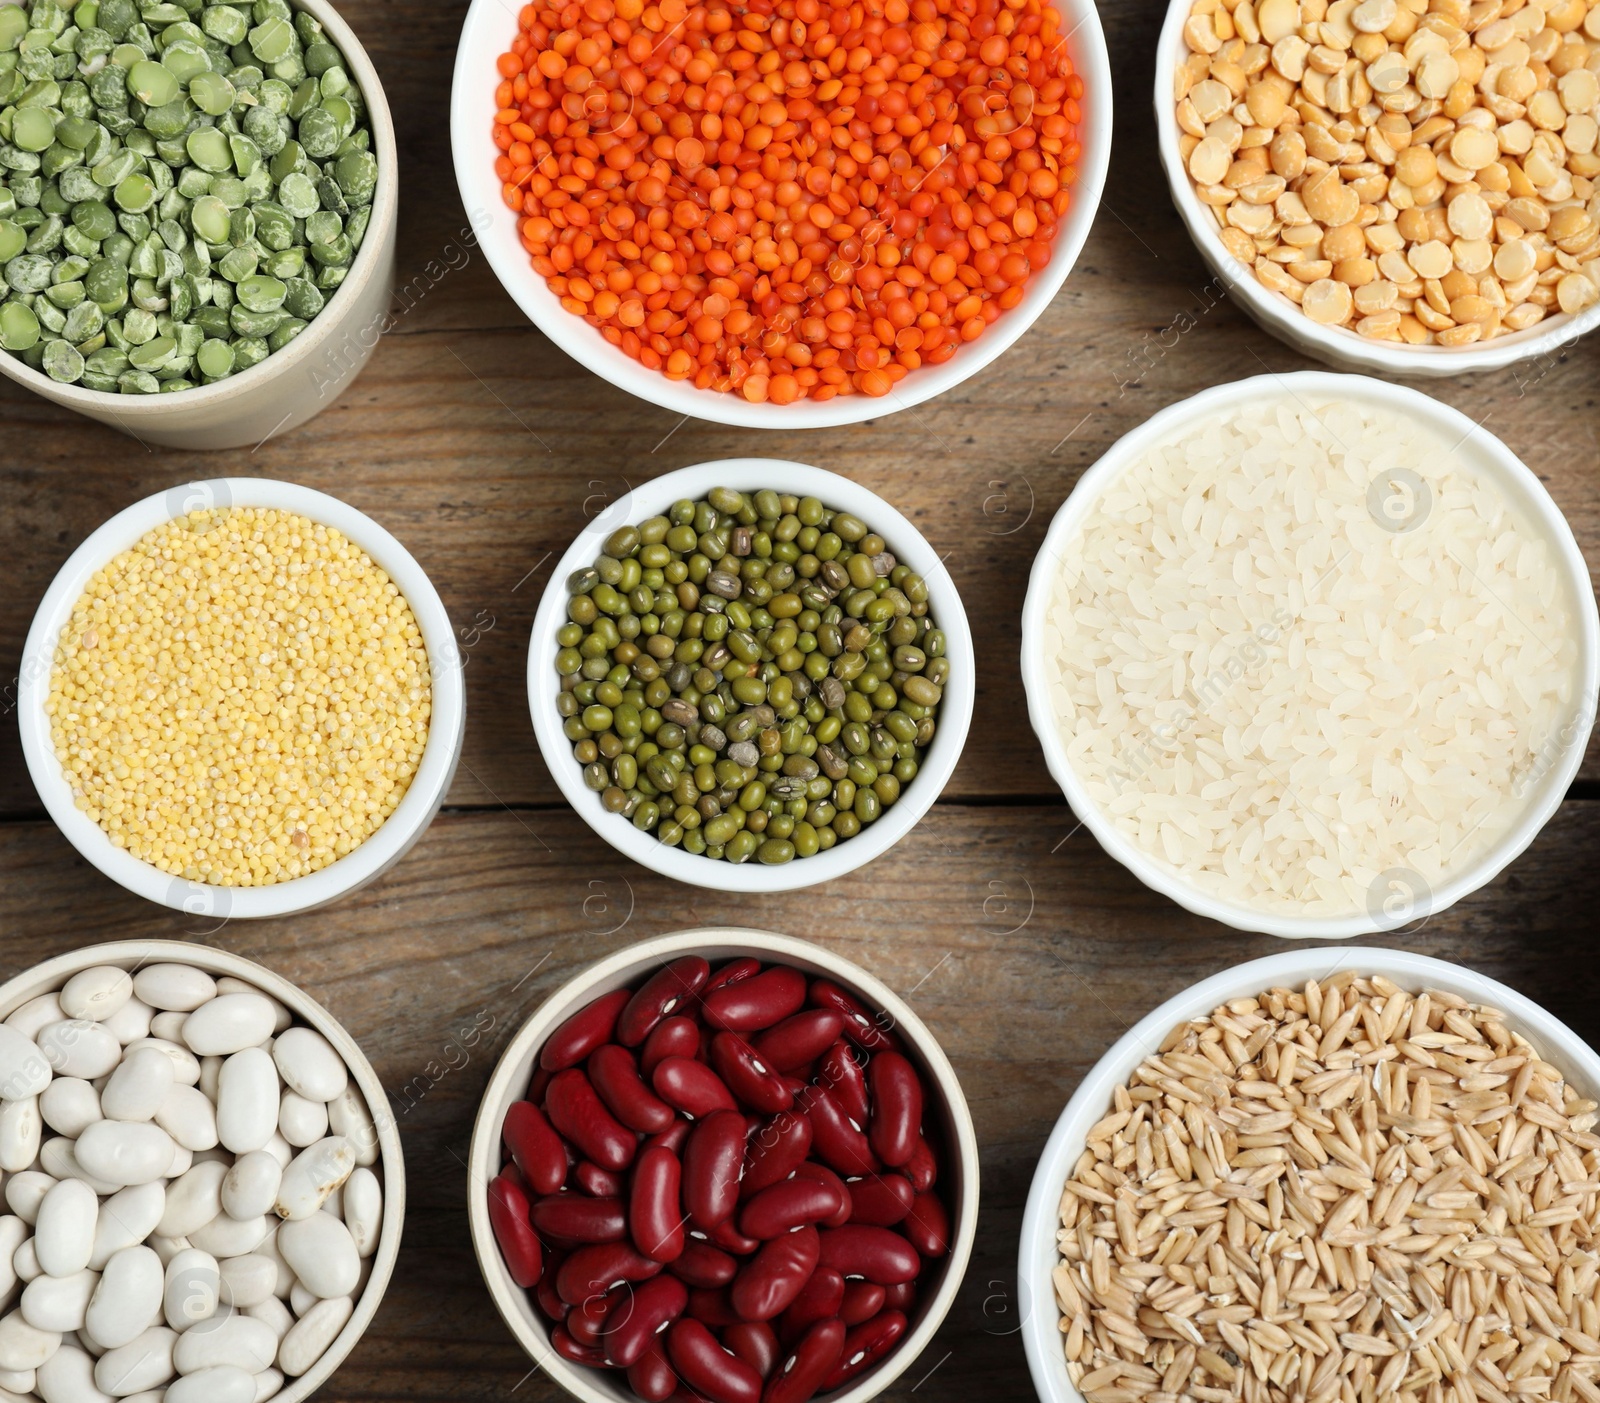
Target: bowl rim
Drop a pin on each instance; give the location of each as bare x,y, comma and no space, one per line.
1276,312
146,409
50,975
411,816
1495,459
621,968
472,152
908,545
1555,1041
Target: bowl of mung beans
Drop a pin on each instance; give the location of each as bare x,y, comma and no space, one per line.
197,213
1331,1172
751,675
241,698
799,217
1401,188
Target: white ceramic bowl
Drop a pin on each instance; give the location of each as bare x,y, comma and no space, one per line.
308,374
490,26
908,546
50,976
1273,312
1477,450
385,847
946,1113
1037,1255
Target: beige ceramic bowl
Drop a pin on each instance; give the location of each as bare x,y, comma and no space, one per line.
50,976
946,1113
303,379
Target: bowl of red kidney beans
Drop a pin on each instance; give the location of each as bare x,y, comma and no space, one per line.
724,1165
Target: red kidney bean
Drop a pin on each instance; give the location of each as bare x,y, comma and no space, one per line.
576,1218
928,1225
789,1205
709,1369
864,1346
586,1322
580,1115
651,1377
730,973
537,1084
692,1087
569,1348
758,1002
754,1342
880,1200
799,1039
508,1216
862,1300
615,1077
661,995
810,1169
655,1217
545,1292
749,1078
583,1032
768,1283
819,1299
922,1168
878,1254
775,1149
841,1073
672,1037
896,1108
591,1179
837,1140
712,1307
642,1316
728,1237
594,1270
860,1026
713,1157
703,1265
670,1139
806,1366
901,1296
535,1147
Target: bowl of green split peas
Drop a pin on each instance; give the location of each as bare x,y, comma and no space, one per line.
197,212
751,675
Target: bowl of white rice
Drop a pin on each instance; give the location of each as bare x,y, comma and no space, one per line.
1312,654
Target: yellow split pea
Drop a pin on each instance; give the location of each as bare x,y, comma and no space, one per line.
241,698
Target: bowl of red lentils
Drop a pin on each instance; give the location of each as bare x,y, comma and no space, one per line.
786,213
241,698
1395,186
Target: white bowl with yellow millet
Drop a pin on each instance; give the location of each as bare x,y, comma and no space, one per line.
184,778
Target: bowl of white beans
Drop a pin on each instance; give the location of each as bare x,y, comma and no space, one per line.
200,1205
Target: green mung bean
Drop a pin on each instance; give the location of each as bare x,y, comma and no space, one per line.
198,174
749,676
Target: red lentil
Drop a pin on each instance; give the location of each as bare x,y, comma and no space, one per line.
788,199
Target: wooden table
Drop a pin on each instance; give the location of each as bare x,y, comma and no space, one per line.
482,447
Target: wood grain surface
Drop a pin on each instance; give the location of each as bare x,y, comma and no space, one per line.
1023,946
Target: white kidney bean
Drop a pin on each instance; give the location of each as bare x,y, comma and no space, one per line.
280,1149
248,1280
68,1377
143,1363
210,1072
312,1175
192,1289
226,1339
58,1303
59,1159
188,1115
168,1026
20,1133
182,1161
130,1022
166,1248
128,1297
308,1339
64,1234
229,1023
229,1237
76,1047
96,993
348,1116
138,1086
273,1314
322,1254
25,1262
363,1209
269,1382
35,1014
221,1385
69,1105
126,1219
24,1072
309,1064
124,1152
185,1065
13,1233
247,1099
269,1249
23,1347
25,1192
302,1122
177,987
281,1017
193,1200
251,1186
